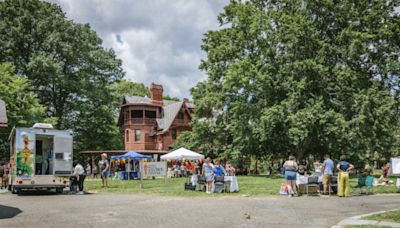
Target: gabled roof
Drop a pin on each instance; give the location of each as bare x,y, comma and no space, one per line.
170,112
3,114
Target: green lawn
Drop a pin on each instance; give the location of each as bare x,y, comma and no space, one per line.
390,216
249,185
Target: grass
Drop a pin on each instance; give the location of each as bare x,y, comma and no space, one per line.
389,216
249,185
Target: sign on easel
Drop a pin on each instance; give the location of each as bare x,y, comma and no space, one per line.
152,169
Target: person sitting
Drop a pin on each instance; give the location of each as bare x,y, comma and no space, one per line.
302,170
219,169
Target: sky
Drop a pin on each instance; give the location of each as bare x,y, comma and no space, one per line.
157,40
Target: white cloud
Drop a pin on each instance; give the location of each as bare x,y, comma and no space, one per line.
158,41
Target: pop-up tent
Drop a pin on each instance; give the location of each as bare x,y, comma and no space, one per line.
130,154
182,153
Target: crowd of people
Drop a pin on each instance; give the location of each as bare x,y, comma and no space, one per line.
293,169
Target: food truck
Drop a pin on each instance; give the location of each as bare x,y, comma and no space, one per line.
40,157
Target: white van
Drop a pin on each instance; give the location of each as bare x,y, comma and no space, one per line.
40,157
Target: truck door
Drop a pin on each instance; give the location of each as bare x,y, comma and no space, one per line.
24,157
62,155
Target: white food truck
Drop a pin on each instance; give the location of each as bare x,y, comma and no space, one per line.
40,158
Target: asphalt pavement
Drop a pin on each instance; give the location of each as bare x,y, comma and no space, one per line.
123,210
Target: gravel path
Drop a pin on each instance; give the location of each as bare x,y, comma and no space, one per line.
112,210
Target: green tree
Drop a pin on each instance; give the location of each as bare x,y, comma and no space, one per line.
69,69
23,108
303,77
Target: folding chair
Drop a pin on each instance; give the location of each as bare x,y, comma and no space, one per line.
361,183
201,183
333,184
219,184
312,182
370,184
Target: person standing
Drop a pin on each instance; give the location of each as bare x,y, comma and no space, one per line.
2,175
290,167
208,172
327,169
317,167
104,167
94,171
79,174
344,168
88,170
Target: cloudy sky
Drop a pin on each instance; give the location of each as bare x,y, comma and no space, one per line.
157,40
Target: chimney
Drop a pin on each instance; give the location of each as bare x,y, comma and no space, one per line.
156,94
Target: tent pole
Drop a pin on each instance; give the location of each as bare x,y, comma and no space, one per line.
166,174
129,171
141,173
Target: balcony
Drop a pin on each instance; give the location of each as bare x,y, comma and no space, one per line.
135,121
151,146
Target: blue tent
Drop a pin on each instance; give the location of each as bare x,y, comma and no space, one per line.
130,154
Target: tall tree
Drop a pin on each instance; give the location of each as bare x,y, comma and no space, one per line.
304,77
23,108
66,64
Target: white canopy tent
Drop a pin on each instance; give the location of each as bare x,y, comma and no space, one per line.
182,153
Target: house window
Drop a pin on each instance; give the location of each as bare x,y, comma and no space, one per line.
127,135
138,134
173,133
150,114
137,113
180,116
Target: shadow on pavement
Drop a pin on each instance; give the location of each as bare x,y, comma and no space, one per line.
8,212
46,193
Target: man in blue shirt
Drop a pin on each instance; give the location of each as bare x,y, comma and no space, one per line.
219,169
327,169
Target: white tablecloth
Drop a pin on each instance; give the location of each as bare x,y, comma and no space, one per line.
304,179
234,186
193,180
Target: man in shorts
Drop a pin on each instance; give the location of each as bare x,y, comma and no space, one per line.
327,169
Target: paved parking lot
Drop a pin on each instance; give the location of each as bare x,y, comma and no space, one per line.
112,210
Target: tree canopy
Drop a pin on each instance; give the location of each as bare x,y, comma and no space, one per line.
69,69
23,106
300,77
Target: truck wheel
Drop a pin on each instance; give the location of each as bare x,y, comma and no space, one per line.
59,190
15,190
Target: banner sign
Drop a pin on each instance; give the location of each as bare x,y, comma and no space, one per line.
154,169
396,165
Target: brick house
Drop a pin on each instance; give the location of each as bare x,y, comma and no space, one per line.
3,114
151,125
